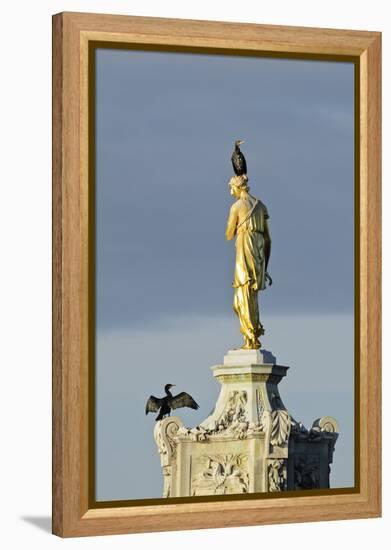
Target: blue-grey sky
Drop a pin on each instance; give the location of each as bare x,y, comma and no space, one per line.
166,124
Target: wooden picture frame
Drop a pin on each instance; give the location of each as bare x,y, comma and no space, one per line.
74,511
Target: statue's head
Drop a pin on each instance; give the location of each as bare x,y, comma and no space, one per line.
238,184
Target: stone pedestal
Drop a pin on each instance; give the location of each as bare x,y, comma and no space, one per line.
249,443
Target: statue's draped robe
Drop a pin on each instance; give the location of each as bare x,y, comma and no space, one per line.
247,221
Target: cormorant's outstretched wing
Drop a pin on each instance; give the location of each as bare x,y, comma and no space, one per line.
153,404
183,399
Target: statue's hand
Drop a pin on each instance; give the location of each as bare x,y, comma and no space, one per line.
268,278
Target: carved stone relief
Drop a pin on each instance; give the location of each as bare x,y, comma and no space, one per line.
220,475
260,405
234,416
306,471
277,475
167,481
232,421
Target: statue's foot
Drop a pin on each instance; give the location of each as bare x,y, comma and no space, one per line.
247,344
251,347
252,344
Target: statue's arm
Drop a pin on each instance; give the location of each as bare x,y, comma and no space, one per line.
268,247
268,243
232,223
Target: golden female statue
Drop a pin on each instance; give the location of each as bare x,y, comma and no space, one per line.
248,221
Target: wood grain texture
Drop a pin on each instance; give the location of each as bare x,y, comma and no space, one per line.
72,33
370,402
67,364
57,435
222,34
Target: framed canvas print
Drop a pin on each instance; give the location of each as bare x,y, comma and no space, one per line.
216,274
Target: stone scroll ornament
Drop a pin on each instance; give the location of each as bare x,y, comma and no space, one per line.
164,434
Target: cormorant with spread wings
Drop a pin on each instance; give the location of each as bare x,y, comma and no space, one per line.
165,404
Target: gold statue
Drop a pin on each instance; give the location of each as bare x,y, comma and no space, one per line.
248,221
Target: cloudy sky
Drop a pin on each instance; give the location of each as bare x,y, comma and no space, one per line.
166,124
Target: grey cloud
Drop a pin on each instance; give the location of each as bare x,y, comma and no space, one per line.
165,130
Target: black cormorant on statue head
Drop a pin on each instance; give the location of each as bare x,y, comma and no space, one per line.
238,161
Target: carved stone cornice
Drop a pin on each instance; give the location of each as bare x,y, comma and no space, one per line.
252,372
249,377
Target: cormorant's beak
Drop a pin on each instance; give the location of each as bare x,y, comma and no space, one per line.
241,141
